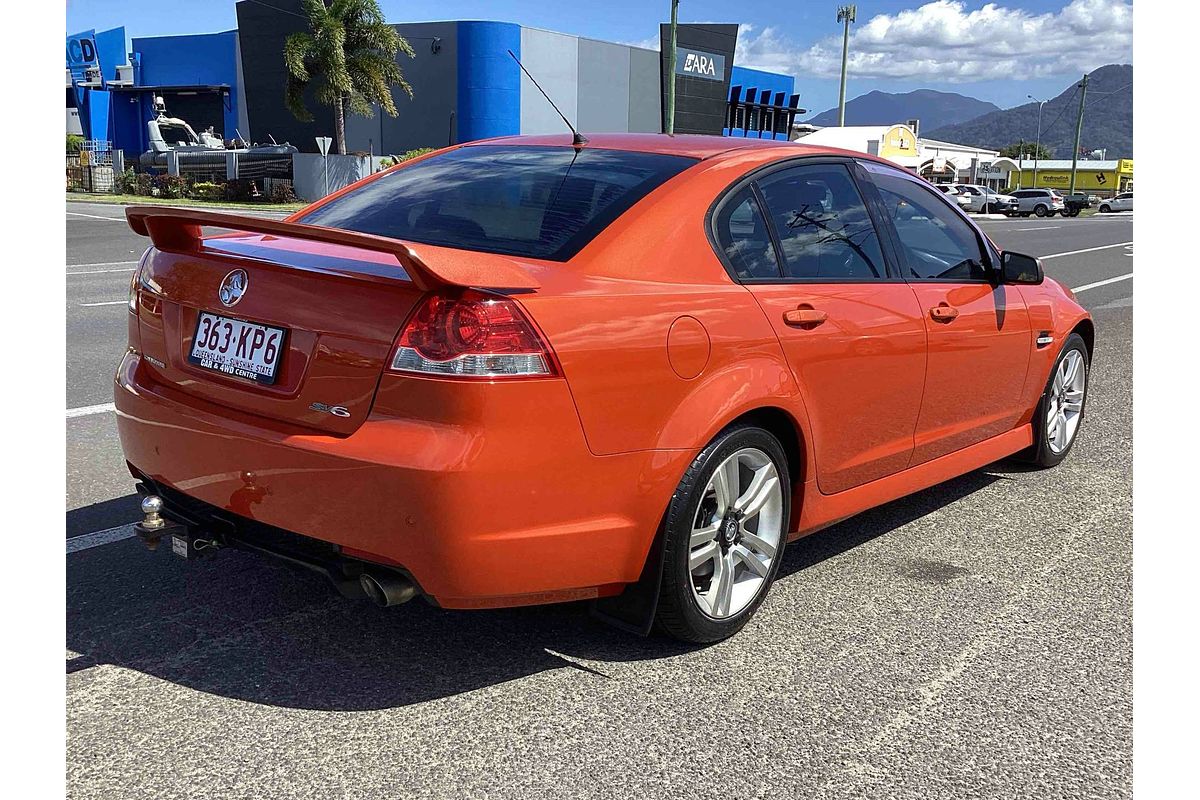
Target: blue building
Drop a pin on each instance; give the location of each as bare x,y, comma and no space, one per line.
466,86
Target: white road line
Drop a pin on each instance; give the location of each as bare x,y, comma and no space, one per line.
90,540
100,271
84,411
105,303
1086,250
1042,228
104,264
1087,286
94,216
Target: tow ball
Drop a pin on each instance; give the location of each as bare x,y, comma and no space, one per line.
154,527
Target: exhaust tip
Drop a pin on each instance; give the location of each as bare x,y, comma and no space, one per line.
386,589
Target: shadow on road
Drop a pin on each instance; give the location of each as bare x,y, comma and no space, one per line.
101,516
244,628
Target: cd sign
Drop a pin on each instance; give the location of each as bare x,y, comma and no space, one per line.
81,53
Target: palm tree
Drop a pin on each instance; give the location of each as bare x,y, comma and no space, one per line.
348,56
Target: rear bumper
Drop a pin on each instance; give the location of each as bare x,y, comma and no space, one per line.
498,503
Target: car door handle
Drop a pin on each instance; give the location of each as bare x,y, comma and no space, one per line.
943,313
804,316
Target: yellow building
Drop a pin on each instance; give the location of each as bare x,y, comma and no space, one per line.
1104,178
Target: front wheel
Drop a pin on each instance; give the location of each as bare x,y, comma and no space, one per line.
725,531
1105,209
1060,411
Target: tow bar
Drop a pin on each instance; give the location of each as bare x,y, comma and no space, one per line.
154,527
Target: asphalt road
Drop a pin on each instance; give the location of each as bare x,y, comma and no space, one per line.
973,640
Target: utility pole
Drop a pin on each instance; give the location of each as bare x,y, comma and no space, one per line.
1078,131
671,69
1021,165
1037,148
845,16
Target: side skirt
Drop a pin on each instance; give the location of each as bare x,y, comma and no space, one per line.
819,511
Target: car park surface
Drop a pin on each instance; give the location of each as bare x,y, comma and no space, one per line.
971,639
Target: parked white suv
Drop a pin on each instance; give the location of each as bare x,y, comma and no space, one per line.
985,200
962,198
1042,202
1122,202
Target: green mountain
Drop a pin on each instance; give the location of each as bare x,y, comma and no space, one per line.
1107,119
934,109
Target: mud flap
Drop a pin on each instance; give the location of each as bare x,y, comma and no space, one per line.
633,610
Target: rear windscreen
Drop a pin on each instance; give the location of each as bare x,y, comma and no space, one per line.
539,202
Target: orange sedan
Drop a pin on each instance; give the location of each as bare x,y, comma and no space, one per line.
629,371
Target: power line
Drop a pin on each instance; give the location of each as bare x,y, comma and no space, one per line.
1065,106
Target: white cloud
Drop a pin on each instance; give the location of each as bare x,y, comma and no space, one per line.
943,41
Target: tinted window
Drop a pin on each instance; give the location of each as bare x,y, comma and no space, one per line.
540,202
822,224
1024,193
936,242
742,234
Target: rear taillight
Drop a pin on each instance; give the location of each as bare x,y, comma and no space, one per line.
133,288
471,334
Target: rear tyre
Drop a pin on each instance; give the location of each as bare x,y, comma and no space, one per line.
1060,411
724,536
1040,210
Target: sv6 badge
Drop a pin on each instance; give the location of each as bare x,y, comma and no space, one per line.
337,411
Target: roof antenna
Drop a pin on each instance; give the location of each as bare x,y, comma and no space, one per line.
579,140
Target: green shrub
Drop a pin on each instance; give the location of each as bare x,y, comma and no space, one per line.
281,192
207,190
143,184
171,187
74,143
420,151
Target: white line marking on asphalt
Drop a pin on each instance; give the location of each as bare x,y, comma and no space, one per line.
1042,228
1087,286
105,303
94,216
103,264
99,271
1086,250
84,411
90,540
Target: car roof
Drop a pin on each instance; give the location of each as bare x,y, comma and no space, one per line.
691,145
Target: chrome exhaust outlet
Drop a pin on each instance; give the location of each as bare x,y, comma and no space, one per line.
387,589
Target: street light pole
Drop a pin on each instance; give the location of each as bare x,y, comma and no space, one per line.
845,16
671,70
1037,148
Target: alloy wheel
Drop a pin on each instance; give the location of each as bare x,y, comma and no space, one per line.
1065,403
736,533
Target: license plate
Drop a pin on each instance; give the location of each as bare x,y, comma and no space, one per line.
234,347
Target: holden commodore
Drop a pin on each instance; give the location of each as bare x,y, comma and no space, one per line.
531,370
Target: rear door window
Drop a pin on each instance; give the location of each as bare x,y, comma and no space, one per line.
538,202
824,230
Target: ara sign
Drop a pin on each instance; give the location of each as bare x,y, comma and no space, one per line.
81,54
698,64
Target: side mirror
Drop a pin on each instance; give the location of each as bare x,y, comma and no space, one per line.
1020,268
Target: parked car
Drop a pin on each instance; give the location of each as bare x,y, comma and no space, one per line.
1122,202
984,200
627,371
1041,202
962,198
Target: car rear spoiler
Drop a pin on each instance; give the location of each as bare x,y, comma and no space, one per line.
178,230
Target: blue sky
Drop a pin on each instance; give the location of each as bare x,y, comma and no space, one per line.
1000,51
